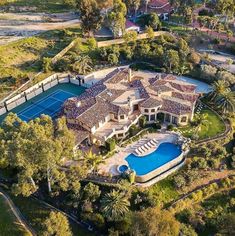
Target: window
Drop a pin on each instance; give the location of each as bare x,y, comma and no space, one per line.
120,135
122,117
174,120
184,119
152,117
146,110
167,118
152,110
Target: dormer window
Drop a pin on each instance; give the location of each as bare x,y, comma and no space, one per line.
122,117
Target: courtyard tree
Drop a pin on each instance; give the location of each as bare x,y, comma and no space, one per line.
56,224
117,18
90,16
114,205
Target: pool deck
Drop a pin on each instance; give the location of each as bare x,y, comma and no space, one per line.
109,167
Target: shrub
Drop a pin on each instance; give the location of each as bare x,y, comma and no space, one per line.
110,144
158,126
91,42
133,130
142,121
170,127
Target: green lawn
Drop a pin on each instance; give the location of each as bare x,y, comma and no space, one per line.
215,127
164,191
9,225
35,213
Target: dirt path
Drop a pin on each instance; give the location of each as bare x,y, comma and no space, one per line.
17,213
17,26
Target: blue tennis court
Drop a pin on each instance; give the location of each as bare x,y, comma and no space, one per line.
49,105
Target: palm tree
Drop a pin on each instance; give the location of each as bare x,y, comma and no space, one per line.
201,120
93,160
82,65
114,205
222,96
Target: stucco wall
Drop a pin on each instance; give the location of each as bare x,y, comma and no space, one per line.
160,170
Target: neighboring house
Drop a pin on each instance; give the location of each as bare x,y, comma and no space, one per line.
129,26
113,104
161,7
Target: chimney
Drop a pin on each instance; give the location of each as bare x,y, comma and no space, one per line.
78,104
129,75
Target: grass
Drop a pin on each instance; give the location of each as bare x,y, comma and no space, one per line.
9,224
22,59
215,126
164,191
50,6
35,213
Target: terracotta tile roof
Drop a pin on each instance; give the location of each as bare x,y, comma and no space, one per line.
103,98
130,24
151,102
175,107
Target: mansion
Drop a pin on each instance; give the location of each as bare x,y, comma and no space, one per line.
111,106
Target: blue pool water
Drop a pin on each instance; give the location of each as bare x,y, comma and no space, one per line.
123,168
162,155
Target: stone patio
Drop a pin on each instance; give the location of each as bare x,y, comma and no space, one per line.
109,167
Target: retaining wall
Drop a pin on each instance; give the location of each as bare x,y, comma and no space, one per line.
160,170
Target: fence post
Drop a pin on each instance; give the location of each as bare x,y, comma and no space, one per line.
5,104
25,95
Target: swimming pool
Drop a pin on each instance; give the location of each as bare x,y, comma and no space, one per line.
166,152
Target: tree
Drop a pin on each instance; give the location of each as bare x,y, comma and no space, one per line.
83,65
153,21
153,221
187,230
200,120
114,205
113,59
150,32
222,96
93,160
91,192
117,18
56,224
36,149
171,60
71,3
46,64
90,16
142,121
226,8
130,36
